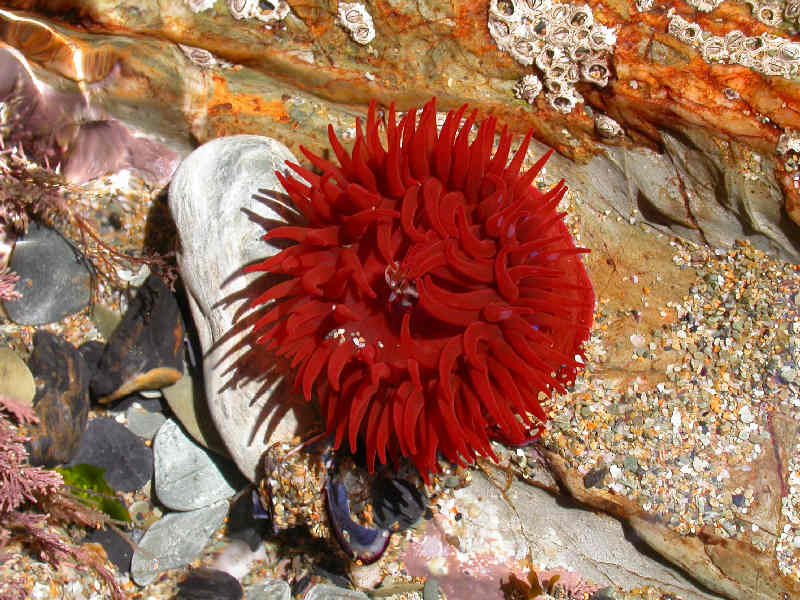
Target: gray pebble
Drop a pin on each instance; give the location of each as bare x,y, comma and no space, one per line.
430,590
326,591
186,477
54,278
175,541
144,423
273,590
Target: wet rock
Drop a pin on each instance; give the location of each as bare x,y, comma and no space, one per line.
92,352
61,401
397,504
187,402
154,405
209,584
175,540
273,590
54,278
237,558
15,378
211,199
324,591
127,461
146,349
187,477
118,549
143,423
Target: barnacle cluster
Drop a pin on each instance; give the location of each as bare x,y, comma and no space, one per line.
769,12
562,40
268,12
766,54
353,16
203,58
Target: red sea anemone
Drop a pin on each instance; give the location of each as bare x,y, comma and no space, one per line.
433,297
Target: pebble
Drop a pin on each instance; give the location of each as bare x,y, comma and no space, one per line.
16,379
242,524
273,590
187,402
143,423
175,540
61,401
146,349
127,461
54,278
209,584
325,591
186,476
118,549
430,591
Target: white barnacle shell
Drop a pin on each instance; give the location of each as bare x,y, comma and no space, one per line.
560,12
242,9
789,141
595,71
547,56
713,49
606,127
197,6
564,102
505,10
792,10
199,56
525,51
768,13
644,5
279,11
355,18
528,88
602,38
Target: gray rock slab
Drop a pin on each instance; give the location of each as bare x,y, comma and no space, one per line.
326,591
54,278
500,529
186,476
144,423
187,401
175,540
220,226
273,590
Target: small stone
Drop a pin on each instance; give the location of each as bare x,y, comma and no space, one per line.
325,591
606,593
738,500
630,464
243,525
105,319
175,540
54,278
209,584
146,349
127,461
188,403
16,380
430,591
594,477
118,549
273,590
144,423
186,476
61,402
745,415
92,352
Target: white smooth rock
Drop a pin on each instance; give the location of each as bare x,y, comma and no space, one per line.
211,200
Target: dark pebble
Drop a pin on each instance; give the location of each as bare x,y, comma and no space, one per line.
594,477
146,349
127,461
209,584
91,353
54,278
118,549
148,404
243,525
61,401
397,504
606,593
738,499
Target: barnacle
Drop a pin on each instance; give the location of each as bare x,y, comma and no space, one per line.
563,41
268,12
607,127
353,16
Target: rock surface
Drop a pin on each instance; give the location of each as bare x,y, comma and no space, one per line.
126,460
186,476
274,590
55,280
212,199
15,377
145,351
175,540
61,402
